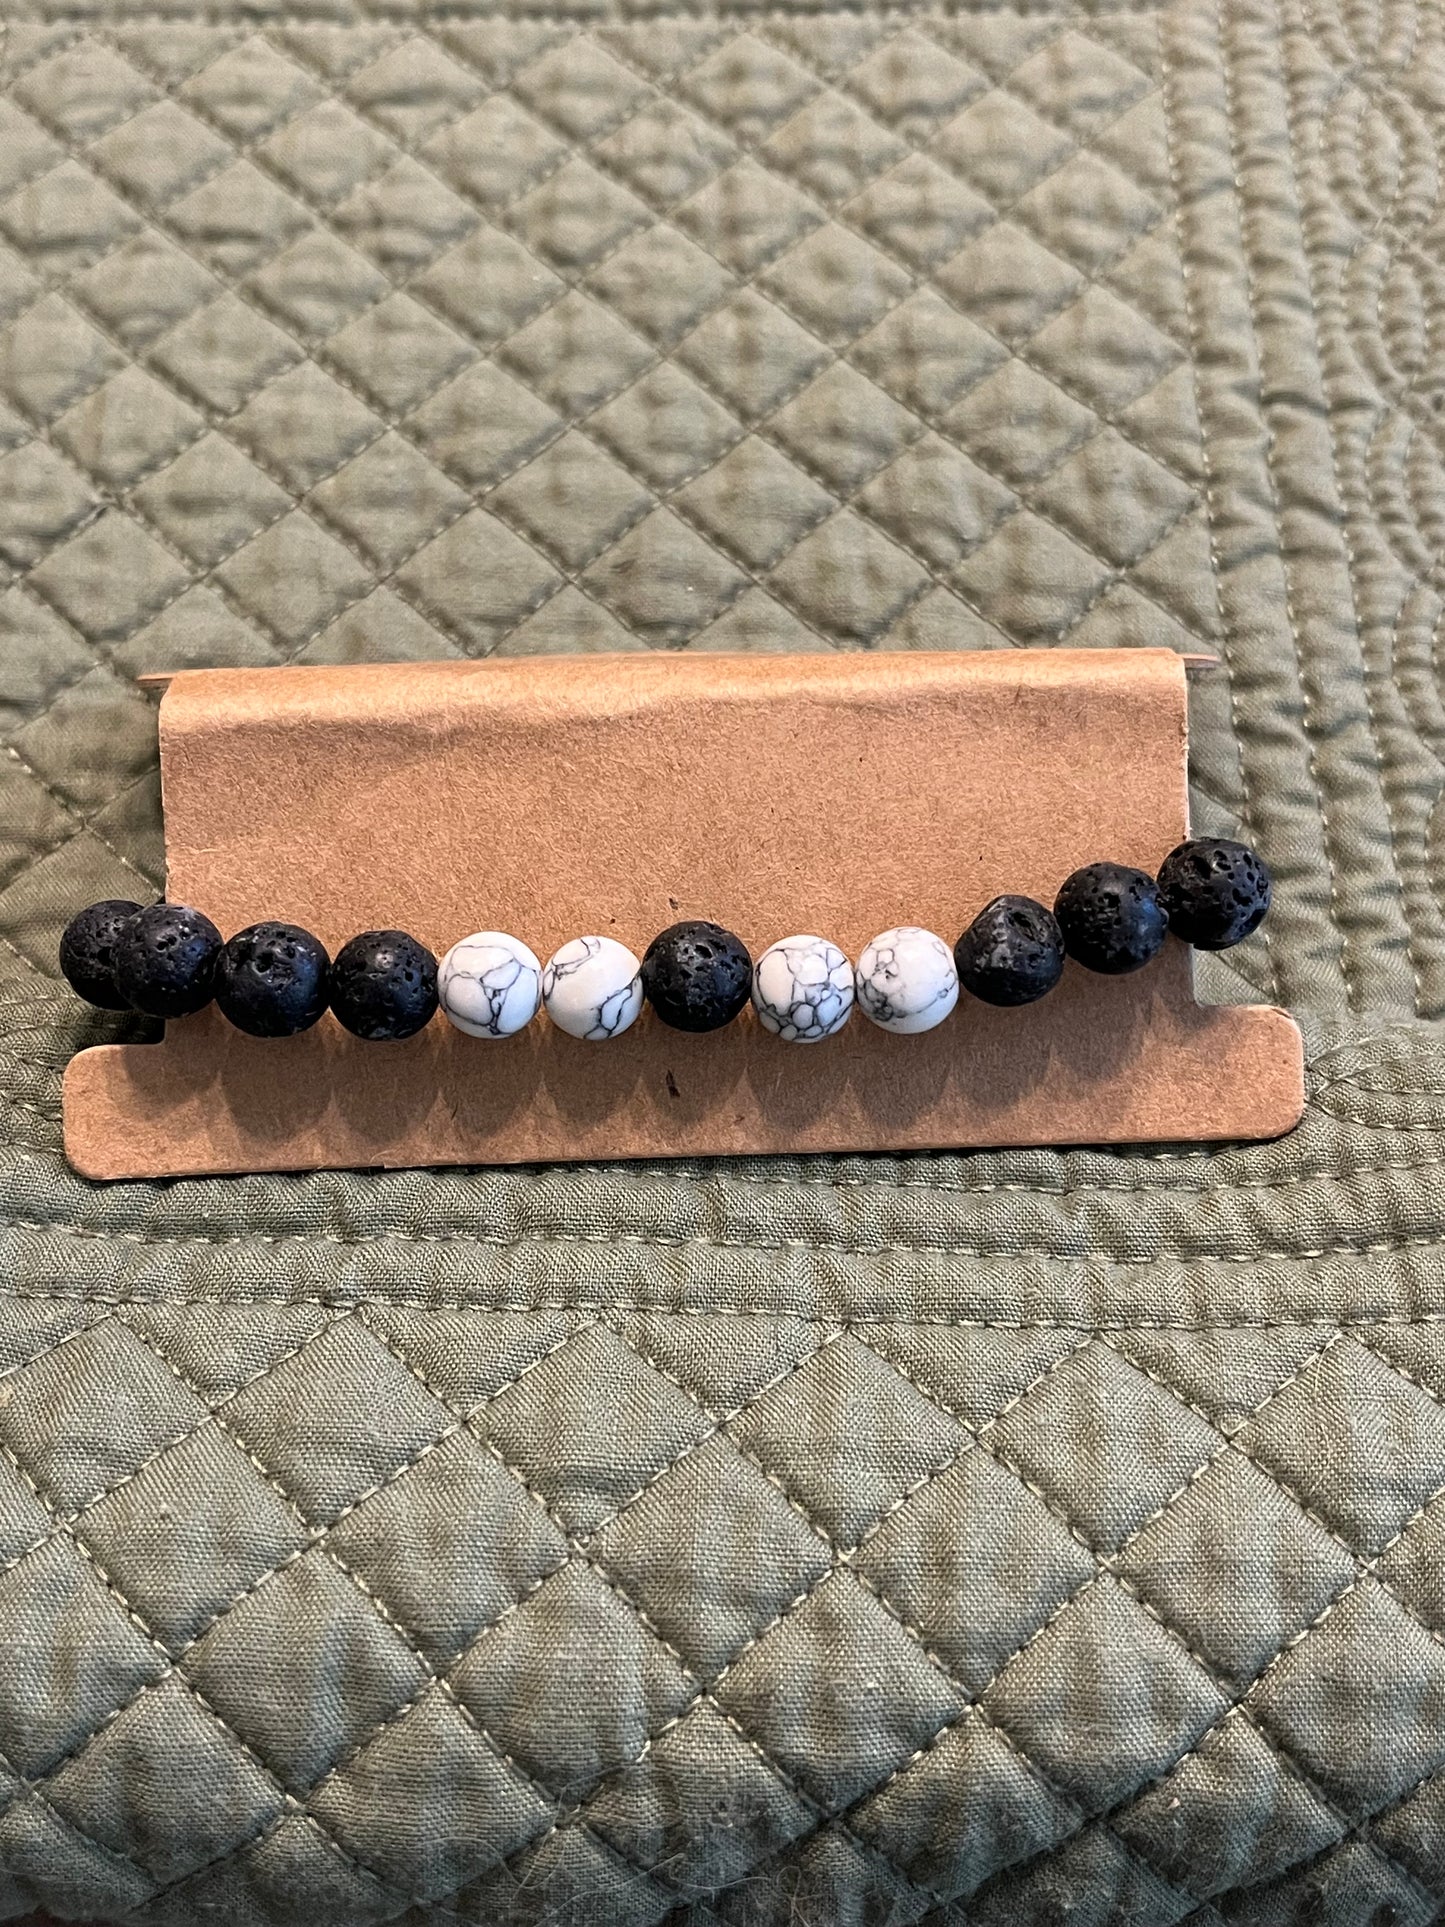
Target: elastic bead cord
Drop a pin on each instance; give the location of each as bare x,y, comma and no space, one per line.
275,979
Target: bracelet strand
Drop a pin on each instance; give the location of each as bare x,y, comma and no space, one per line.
275,979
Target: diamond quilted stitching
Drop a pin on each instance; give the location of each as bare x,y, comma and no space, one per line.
314,1418
576,354
389,501
848,580
465,1807
35,821
1001,147
920,211
661,283
404,217
580,87
936,502
751,353
1103,351
913,83
210,500
571,1683
496,152
84,89
326,152
1361,1699
161,153
844,428
1032,580
572,500
1387,1443
237,219
413,89
26,149
1020,424
293,578
224,352
77,1873
747,216
303,1668
976,1564
85,1416
318,284
251,88
478,580
665,427
700,1809
1108,1445
756,503
303,426
832,148
194,1529
838,1693
72,1653
745,1554
1233,1537
748,86
664,153
203,1794
664,581
586,1455
1414,1832
927,354
399,353
1090,212
847,1436
968,1807
50,356
1275,1820
483,425
25,1522
835,283
1077,80
293,1866
450,1547
581,1876
466,1361
52,501
487,286
577,215
127,426
143,288
66,220
1009,281
1103,1699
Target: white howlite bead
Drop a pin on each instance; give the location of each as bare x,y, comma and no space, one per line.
803,989
592,988
489,984
906,980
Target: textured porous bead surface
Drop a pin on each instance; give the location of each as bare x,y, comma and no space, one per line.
697,975
1112,918
803,989
384,985
592,988
87,951
906,980
490,984
272,979
1216,891
165,960
1012,953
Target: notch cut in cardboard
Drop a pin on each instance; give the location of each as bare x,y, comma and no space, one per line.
556,796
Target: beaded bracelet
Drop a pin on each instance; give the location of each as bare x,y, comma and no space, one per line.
274,979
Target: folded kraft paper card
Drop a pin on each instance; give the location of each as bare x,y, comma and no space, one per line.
904,1536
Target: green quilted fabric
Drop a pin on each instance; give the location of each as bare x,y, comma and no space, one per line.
951,1540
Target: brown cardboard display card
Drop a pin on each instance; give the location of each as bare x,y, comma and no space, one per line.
557,796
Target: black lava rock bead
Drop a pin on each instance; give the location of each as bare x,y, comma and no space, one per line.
384,986
697,976
1012,952
87,951
1216,891
272,979
165,960
1112,918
